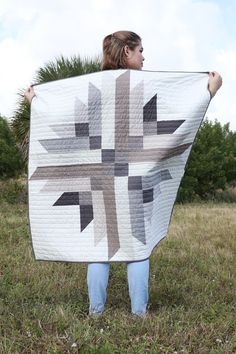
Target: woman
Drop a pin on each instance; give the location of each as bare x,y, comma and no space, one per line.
123,50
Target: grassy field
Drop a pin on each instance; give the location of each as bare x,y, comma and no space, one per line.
44,306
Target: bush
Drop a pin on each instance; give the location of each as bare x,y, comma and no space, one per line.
11,163
212,163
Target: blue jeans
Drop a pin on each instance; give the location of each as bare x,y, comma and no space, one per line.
97,280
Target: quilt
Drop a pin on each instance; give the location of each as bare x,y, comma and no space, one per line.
106,157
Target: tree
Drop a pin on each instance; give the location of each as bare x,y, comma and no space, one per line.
230,159
11,163
212,162
60,69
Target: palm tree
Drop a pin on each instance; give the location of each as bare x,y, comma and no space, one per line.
60,69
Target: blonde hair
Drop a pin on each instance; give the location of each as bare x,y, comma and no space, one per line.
113,49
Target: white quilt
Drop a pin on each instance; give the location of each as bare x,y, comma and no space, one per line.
107,154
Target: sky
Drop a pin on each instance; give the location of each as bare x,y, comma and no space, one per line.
188,35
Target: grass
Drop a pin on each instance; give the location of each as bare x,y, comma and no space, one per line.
44,305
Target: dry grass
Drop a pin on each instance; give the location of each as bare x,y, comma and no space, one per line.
43,306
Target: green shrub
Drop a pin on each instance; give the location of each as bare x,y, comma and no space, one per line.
212,163
11,163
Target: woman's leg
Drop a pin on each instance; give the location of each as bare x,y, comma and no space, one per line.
138,276
97,280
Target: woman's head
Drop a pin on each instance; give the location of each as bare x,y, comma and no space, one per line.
122,50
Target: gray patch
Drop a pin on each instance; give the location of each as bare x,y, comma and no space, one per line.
154,179
66,145
150,128
135,183
64,130
85,198
135,143
137,215
94,110
96,184
95,142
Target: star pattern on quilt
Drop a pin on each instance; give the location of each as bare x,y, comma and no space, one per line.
147,140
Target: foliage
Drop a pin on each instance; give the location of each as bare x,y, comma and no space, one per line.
212,162
60,69
20,124
64,68
11,163
44,305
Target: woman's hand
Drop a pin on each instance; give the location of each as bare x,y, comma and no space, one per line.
214,82
29,94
